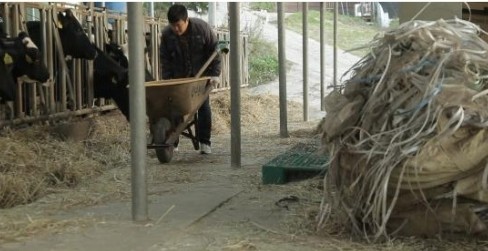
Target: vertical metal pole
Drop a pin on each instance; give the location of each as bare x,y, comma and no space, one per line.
20,89
305,60
235,80
31,91
6,20
89,63
33,14
137,99
212,7
50,57
63,72
154,50
77,83
151,9
44,48
19,111
282,71
15,23
336,13
322,56
43,35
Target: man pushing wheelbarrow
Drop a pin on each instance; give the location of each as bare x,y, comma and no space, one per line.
191,67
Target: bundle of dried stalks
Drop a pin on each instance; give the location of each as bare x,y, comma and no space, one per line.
407,132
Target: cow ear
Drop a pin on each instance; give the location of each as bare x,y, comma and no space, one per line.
22,35
60,20
59,24
28,59
69,13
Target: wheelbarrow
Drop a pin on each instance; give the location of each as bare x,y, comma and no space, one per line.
172,107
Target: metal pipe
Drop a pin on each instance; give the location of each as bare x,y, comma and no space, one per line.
56,116
15,17
77,80
42,96
65,79
305,60
212,7
235,80
137,101
6,20
336,13
322,56
44,48
151,9
43,35
19,111
50,57
31,91
154,51
89,63
282,71
20,88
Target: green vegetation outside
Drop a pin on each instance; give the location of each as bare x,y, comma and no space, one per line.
269,6
352,32
263,61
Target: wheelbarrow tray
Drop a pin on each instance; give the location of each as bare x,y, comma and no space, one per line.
171,106
175,97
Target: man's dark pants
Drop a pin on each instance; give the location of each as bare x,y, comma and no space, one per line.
204,122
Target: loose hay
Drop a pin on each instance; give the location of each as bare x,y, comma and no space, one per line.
34,162
256,111
408,134
38,166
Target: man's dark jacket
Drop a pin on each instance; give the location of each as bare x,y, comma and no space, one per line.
202,42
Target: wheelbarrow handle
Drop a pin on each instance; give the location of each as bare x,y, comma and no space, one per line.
221,49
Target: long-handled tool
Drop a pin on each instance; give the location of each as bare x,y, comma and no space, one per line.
221,48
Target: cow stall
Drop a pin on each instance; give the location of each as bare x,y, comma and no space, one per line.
70,91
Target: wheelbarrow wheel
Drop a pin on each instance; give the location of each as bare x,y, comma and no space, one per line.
164,154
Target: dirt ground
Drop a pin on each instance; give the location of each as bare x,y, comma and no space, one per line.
246,215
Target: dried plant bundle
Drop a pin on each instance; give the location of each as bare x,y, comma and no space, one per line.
407,132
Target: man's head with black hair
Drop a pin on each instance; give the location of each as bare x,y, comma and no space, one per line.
178,18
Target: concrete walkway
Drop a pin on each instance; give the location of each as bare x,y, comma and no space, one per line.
170,215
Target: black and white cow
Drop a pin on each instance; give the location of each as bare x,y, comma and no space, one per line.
22,60
7,83
110,71
76,43
105,84
111,80
120,54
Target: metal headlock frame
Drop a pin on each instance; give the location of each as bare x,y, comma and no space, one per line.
71,93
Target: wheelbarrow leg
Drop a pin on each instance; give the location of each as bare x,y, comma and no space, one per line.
194,140
189,133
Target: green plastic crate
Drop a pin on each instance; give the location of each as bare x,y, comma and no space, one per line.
302,160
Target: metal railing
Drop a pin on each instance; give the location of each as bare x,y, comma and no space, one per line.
72,92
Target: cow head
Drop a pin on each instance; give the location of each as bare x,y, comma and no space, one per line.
29,65
116,52
120,54
25,58
74,39
23,61
7,84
